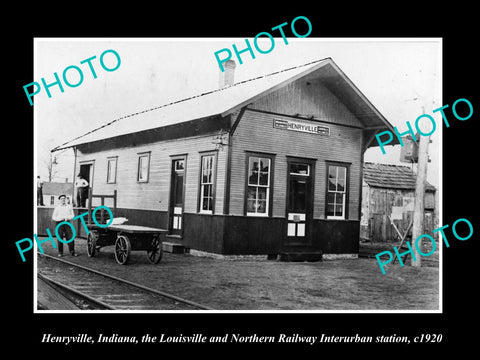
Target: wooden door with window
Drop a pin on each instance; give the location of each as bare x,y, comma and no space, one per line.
299,202
86,171
176,197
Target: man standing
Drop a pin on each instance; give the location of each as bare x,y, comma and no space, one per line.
39,192
64,212
82,190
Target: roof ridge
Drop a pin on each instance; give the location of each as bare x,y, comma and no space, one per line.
405,178
185,99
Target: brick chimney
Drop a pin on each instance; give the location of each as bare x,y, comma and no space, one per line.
227,77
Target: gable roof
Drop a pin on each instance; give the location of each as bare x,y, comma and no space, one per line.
229,99
57,188
391,177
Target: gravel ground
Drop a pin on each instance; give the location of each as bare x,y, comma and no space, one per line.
355,284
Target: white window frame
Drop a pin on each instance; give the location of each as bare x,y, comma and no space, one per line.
344,192
144,155
300,174
114,160
257,185
180,161
203,185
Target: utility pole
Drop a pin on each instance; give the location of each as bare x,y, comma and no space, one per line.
419,203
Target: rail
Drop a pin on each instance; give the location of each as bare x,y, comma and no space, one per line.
146,289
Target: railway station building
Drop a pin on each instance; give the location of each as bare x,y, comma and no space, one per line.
260,167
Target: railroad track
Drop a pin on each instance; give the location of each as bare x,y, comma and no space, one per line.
100,291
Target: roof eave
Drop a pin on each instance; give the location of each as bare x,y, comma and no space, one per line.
252,99
382,123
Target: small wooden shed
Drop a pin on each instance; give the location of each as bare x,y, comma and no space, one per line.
52,190
389,191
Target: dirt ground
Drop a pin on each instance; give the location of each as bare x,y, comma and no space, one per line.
224,284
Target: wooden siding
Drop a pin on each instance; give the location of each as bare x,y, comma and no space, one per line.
155,194
204,232
336,236
307,100
256,133
253,235
377,207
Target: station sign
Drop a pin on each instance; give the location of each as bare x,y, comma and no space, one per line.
301,126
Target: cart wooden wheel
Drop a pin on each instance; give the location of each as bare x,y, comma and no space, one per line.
122,249
155,254
92,243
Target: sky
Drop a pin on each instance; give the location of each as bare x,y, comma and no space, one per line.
400,77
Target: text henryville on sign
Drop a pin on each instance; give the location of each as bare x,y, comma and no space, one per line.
301,126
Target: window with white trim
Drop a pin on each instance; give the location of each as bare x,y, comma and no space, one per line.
112,170
206,184
258,185
143,167
336,192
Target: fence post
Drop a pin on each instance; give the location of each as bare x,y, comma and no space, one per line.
90,205
114,202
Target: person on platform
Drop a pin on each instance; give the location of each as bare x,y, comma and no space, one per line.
82,190
64,212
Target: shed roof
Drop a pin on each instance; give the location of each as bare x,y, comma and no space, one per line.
229,99
57,188
391,176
